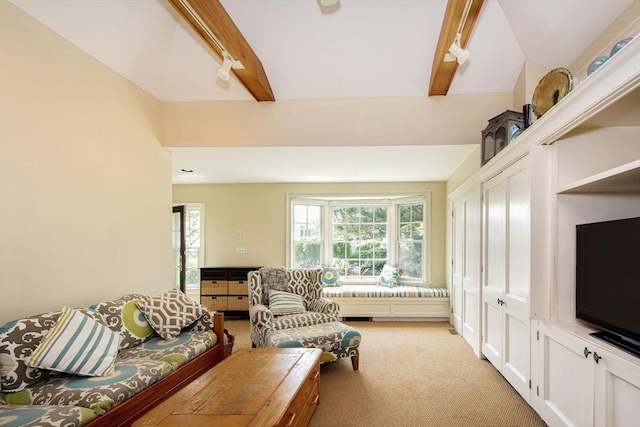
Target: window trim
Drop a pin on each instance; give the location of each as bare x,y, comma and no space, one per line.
327,200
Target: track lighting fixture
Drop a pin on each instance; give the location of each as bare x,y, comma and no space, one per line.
223,71
456,51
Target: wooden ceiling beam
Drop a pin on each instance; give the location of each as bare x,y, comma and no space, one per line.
218,21
442,72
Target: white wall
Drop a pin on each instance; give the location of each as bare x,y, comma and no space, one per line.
85,186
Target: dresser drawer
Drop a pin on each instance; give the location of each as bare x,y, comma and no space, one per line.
214,287
238,287
216,303
237,303
302,407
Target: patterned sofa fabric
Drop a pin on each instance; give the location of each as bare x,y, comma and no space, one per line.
18,341
44,416
175,352
96,393
304,282
69,400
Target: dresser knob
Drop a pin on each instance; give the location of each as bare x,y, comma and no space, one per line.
586,353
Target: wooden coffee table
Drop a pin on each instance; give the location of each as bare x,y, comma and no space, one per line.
253,387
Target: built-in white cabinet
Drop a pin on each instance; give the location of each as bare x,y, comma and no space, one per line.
578,163
466,298
582,383
506,248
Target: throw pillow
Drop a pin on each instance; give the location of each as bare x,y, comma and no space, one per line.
389,276
169,312
330,277
285,303
77,345
122,315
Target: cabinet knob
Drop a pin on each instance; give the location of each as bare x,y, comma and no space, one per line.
586,353
596,357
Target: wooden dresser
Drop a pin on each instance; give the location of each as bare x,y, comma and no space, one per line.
252,387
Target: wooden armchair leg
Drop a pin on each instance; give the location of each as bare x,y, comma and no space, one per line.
354,361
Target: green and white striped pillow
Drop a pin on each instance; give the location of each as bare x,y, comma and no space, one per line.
78,345
285,303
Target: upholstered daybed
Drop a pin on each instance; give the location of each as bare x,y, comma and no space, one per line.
147,368
375,301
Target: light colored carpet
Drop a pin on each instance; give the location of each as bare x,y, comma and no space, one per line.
411,374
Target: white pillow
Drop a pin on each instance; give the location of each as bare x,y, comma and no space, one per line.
78,345
285,303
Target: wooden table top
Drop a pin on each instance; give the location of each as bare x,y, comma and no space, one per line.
252,387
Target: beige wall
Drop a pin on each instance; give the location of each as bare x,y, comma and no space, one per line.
259,211
409,120
85,186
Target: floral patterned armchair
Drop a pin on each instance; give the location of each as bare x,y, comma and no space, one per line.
306,283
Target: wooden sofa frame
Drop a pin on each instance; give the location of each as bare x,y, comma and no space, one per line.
125,413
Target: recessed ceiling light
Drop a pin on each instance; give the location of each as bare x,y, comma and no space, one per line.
187,170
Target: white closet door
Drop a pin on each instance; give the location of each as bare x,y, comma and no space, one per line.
458,264
494,203
516,344
466,268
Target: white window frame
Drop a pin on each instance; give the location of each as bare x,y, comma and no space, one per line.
392,200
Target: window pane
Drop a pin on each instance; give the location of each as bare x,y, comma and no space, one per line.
192,256
307,254
307,235
410,259
363,245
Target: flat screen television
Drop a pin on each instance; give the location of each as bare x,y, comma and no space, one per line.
608,280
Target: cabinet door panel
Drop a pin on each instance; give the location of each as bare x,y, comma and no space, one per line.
515,357
471,280
493,268
617,391
458,264
566,379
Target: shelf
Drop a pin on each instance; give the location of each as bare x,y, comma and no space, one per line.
622,179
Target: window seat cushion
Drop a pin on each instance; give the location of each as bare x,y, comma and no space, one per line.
377,291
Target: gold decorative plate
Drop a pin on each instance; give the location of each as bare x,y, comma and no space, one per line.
554,86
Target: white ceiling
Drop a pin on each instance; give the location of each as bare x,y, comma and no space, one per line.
359,49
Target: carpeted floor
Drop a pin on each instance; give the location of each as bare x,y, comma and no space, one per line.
411,374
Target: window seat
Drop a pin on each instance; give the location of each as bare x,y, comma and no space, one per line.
398,302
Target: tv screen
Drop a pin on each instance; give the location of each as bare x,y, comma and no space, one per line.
608,280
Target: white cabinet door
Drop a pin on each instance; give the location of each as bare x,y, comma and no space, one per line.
507,274
617,391
565,395
516,341
457,267
466,268
494,252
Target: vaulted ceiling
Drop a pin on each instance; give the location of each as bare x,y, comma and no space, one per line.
354,50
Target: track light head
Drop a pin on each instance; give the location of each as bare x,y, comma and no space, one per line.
456,52
224,71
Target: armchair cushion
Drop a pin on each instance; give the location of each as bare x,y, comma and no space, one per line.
273,278
285,303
